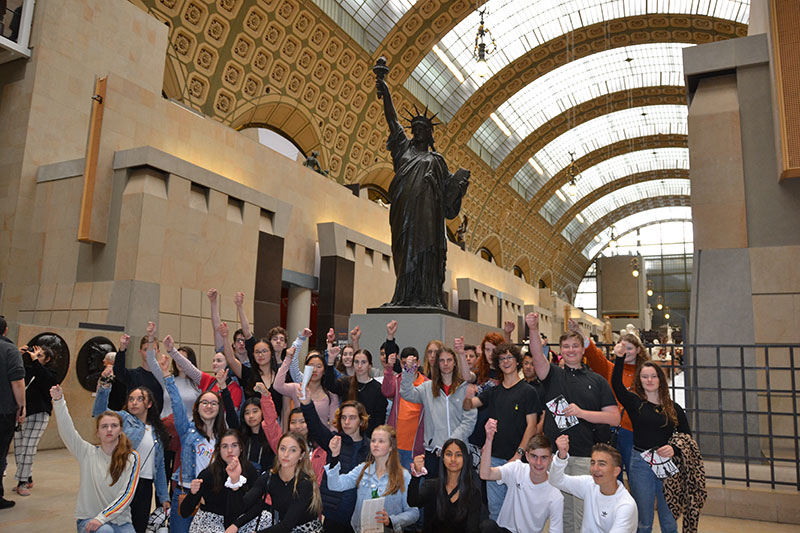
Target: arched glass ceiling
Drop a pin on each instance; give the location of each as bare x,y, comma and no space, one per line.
521,25
637,219
609,129
624,196
589,77
375,17
615,168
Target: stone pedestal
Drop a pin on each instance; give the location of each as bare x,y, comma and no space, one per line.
416,329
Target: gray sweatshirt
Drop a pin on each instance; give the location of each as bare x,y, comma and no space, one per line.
444,416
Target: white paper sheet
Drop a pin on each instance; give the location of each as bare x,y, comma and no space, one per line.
307,371
368,511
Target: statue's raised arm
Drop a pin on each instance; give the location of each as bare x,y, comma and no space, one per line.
423,193
380,69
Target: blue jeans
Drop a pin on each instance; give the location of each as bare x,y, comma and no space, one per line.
106,528
495,492
647,489
625,447
177,523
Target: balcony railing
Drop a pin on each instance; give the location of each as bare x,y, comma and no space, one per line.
15,29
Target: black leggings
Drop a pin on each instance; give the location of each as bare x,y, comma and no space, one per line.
142,504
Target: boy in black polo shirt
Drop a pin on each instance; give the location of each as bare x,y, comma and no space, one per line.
578,403
514,404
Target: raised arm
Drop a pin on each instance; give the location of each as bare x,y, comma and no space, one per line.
269,417
215,321
192,372
317,431
227,350
231,416
389,385
66,429
120,370
294,368
238,299
103,392
355,335
461,355
628,399
487,471
558,478
280,384
508,329
388,106
540,363
408,391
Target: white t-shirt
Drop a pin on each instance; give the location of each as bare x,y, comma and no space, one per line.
146,453
601,514
203,450
528,506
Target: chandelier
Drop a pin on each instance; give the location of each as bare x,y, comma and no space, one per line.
482,51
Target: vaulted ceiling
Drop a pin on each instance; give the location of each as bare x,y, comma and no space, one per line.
597,81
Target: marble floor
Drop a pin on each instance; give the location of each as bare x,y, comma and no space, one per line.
50,506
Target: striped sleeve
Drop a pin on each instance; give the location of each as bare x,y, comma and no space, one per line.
127,487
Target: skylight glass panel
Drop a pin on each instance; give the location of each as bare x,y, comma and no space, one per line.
377,17
618,167
612,128
638,219
518,26
589,77
627,195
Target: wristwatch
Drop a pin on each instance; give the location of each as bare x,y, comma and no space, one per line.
520,452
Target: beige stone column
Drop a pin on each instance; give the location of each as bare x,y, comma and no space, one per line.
298,315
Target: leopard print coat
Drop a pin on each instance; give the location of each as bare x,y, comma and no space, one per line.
685,492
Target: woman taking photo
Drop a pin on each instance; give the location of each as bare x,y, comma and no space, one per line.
380,475
221,487
40,375
292,488
109,472
360,387
442,398
452,502
143,427
199,437
655,417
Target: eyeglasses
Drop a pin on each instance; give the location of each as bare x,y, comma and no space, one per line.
261,352
504,358
240,339
209,403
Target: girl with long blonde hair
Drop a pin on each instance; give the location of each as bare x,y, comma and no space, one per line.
381,475
292,488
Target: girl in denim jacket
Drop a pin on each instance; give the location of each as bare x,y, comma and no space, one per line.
143,427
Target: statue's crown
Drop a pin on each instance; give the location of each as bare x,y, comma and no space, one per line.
422,118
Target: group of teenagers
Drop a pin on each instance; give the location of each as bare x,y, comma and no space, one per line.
469,438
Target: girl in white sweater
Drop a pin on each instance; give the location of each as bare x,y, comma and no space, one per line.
109,472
